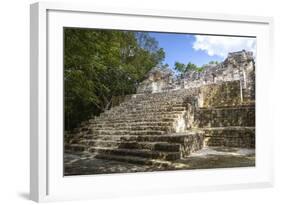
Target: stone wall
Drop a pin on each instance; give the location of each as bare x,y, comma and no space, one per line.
233,137
225,117
192,143
221,94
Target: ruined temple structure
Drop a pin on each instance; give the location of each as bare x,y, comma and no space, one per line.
167,119
238,66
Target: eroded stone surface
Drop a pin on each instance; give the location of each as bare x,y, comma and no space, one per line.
79,163
238,66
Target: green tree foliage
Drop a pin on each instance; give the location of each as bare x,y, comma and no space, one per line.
191,66
100,64
182,68
214,62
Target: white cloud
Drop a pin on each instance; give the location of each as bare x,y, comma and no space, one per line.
222,45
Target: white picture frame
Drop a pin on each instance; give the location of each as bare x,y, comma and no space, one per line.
46,178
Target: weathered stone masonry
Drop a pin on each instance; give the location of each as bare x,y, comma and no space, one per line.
170,118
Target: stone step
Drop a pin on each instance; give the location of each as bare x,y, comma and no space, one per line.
190,141
141,109
138,153
143,112
160,101
139,119
147,103
130,124
151,103
157,146
126,132
167,95
134,160
103,137
131,120
143,115
165,126
163,105
163,147
134,128
170,138
101,143
140,138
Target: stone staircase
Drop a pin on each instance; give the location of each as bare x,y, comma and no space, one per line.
146,129
159,128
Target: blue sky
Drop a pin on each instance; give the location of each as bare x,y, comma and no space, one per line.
200,49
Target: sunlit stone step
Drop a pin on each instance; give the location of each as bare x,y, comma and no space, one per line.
134,128
138,120
154,108
129,124
144,115
126,132
135,160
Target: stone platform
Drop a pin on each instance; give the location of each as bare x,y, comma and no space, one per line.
83,163
209,122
